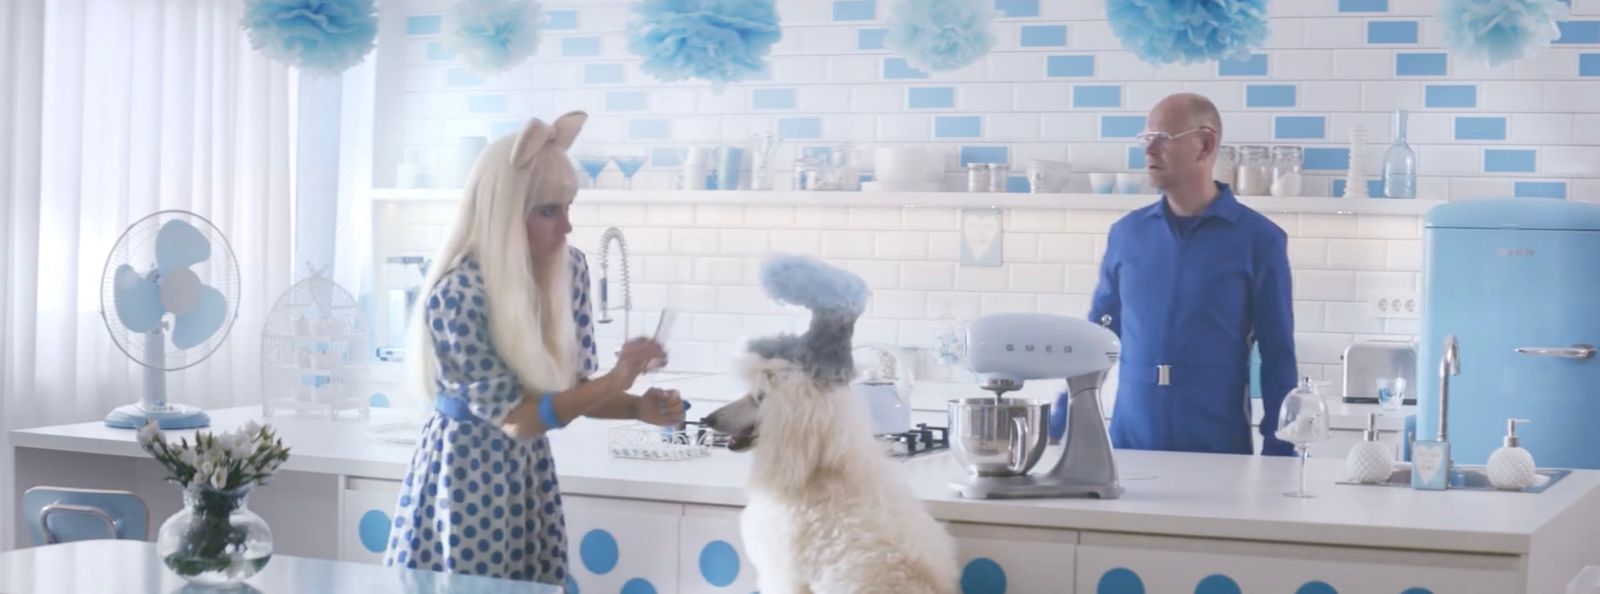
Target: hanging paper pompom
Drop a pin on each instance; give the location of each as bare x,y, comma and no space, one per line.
1168,31
721,41
1500,31
938,35
494,35
325,36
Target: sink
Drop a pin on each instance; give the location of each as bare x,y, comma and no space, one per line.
1471,478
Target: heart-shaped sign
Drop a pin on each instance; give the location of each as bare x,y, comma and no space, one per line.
980,230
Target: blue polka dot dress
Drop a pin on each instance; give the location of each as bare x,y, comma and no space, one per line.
475,500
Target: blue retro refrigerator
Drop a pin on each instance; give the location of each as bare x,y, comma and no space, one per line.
1518,284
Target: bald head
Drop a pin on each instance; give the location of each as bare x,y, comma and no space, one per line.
1190,110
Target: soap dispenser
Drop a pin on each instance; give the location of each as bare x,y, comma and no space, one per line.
1370,461
1511,467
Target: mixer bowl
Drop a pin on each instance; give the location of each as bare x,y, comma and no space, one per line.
998,436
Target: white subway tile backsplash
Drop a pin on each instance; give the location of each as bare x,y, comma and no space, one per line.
824,99
1370,282
1020,247
695,241
877,98
997,303
1320,347
667,269
875,330
1015,67
905,127
1389,95
1037,278
948,304
1043,96
797,70
827,217
693,298
1357,254
985,97
927,275
1403,255
1012,127
1308,315
900,305
1082,279
1584,190
1542,128
847,244
929,219
1070,249
1327,225
797,241
1388,227
916,333
1092,221
976,278
879,274
670,215
1063,127
900,245
718,271
1308,252
945,246
744,242
1467,188
1569,160
1350,317
1124,66
717,327
1324,285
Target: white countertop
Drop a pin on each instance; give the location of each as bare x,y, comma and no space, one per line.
1198,495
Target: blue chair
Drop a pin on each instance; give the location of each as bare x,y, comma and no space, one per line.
59,514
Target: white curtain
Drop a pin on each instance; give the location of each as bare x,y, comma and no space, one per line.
111,110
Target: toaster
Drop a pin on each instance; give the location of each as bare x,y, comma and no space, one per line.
1366,362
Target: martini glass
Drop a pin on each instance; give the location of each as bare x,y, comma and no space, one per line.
628,165
593,166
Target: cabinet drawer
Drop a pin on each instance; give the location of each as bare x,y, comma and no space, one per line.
711,557
1008,559
366,508
619,545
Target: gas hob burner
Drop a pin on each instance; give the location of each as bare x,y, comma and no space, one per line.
921,439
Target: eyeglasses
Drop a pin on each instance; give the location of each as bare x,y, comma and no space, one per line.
1148,137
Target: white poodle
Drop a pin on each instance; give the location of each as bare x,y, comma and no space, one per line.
828,512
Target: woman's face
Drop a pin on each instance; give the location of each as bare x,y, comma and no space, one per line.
548,227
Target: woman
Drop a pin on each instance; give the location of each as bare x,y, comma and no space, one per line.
503,338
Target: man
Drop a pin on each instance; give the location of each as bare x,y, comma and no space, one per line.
1189,283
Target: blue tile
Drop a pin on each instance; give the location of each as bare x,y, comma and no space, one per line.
772,99
1450,96
504,127
1392,32
1255,65
1557,190
1374,188
1418,64
438,53
1579,32
1589,65
855,10
1121,126
456,77
424,25
1069,66
1508,160
1300,127
957,127
983,154
1018,8
1269,95
1097,96
1044,35
800,127
580,47
625,101
871,39
1327,159
1136,157
931,97
1363,5
666,156
562,20
648,129
1017,184
897,68
486,103
601,74
1480,128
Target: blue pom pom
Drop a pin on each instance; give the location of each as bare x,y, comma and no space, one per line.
325,36
494,35
1188,31
811,283
1500,31
938,35
721,41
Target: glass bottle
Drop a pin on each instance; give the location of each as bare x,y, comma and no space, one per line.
1255,171
1400,163
1287,162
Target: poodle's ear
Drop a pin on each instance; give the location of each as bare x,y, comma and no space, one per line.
567,127
530,142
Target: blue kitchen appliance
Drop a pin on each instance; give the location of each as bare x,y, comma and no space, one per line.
1518,284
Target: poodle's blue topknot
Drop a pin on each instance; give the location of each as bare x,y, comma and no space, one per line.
813,284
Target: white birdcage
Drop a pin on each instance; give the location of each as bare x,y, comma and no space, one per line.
314,351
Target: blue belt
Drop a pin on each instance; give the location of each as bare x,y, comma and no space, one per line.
454,407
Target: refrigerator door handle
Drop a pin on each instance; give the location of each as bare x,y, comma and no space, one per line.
1577,351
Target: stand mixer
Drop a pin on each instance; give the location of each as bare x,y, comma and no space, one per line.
1000,439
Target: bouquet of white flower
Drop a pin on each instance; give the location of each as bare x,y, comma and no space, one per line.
215,539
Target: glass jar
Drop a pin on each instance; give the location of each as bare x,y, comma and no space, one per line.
999,176
1226,169
1286,165
977,177
1255,171
215,540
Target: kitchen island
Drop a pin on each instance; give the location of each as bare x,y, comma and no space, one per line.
672,525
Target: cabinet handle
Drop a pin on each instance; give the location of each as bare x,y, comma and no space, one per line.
1577,351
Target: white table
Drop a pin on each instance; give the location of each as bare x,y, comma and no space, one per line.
96,566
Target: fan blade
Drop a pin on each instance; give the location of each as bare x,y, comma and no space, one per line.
138,301
180,245
203,321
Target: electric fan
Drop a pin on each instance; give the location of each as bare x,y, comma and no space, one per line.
169,294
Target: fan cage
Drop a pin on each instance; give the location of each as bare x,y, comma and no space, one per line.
136,247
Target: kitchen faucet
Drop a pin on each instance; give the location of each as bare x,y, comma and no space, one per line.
1449,364
614,235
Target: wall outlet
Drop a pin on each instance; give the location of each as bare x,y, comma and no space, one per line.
1394,305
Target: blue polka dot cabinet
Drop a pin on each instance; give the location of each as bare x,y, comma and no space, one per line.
711,558
631,547
1125,564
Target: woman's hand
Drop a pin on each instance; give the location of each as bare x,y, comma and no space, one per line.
634,358
661,407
